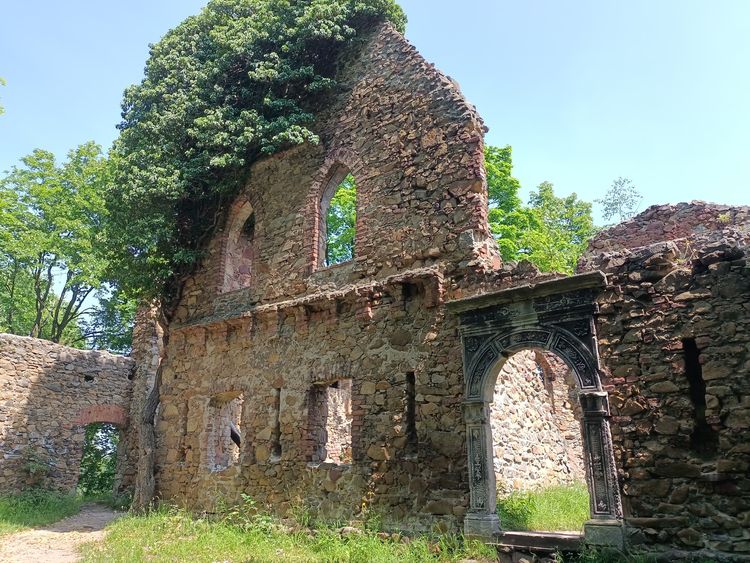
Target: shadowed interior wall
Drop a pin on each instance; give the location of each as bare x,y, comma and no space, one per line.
536,433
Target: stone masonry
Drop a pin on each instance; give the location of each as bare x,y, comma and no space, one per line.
674,333
48,394
409,382
536,433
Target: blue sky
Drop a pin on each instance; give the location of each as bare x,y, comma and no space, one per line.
584,90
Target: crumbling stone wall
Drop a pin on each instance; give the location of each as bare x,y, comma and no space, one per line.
48,394
535,432
414,147
674,328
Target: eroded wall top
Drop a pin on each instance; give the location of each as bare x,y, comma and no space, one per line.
415,148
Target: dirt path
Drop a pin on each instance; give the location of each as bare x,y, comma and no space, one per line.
57,543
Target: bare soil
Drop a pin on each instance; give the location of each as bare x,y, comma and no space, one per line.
59,542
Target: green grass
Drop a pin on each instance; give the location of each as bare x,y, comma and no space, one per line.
170,534
559,508
35,508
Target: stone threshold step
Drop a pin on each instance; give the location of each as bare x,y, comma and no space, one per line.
546,541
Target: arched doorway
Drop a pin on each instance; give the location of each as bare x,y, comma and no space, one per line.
535,419
558,317
100,457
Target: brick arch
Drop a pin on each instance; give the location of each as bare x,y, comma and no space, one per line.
336,166
112,414
236,255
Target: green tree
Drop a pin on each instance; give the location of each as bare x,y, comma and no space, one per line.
621,200
341,221
242,79
559,230
507,216
52,218
110,325
550,232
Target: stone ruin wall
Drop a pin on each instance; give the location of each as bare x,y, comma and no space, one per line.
48,394
680,421
535,421
415,148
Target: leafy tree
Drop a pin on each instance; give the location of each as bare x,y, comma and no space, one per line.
110,325
621,200
242,79
341,221
507,217
550,232
2,83
99,460
49,244
559,230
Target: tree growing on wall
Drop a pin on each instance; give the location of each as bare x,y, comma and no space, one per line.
621,200
242,79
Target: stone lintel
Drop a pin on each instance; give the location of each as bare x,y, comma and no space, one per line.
527,292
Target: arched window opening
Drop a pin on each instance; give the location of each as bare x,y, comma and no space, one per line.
537,445
99,461
239,251
338,212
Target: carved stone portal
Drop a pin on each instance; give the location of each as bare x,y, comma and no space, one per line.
557,316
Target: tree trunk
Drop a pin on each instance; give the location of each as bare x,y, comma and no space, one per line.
144,347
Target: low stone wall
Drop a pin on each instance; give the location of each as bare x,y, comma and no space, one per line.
535,433
48,394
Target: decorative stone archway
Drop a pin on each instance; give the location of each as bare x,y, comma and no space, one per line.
557,316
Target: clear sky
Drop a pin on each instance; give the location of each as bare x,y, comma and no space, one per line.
583,90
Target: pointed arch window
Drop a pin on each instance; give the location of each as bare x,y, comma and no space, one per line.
239,249
338,219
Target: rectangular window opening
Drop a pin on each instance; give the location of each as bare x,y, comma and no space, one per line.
411,413
224,420
276,434
330,422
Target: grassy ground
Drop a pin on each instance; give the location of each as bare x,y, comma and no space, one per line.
175,535
560,508
35,508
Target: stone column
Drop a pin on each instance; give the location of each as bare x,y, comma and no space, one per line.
481,520
605,527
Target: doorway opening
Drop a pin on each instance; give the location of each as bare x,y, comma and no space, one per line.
98,471
537,444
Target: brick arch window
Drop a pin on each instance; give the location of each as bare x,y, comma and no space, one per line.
337,218
239,247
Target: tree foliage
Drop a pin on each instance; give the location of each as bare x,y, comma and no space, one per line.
99,460
341,220
621,200
50,255
242,79
560,230
550,231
